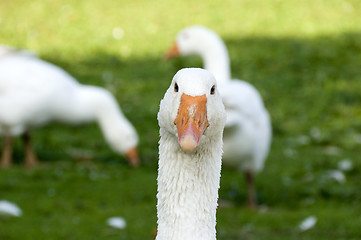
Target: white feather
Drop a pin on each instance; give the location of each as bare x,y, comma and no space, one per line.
308,223
117,222
9,209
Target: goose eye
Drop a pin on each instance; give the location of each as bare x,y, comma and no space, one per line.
213,89
176,88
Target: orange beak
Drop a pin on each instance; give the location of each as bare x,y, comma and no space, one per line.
172,52
191,121
132,156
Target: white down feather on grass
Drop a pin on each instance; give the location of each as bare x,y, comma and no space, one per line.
9,209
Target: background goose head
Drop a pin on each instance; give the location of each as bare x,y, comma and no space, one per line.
201,41
192,108
194,40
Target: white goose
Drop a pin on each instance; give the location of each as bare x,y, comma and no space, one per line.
191,120
34,92
248,131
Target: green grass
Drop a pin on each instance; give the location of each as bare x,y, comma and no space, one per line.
303,56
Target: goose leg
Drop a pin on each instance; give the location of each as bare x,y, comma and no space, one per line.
30,157
7,152
252,202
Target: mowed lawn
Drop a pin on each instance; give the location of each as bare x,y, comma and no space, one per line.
303,56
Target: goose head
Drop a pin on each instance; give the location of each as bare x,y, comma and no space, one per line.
196,40
201,41
192,108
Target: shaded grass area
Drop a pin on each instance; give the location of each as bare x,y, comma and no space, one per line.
65,200
303,56
72,200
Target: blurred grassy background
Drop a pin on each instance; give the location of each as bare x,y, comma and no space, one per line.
303,56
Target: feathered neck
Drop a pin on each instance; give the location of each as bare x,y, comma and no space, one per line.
215,58
89,103
84,104
188,186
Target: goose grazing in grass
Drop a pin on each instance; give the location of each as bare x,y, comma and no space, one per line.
191,120
248,131
34,92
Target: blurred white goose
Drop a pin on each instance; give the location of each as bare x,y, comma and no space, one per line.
34,92
191,120
248,131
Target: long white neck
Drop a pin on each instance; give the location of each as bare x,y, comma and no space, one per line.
215,59
89,104
188,186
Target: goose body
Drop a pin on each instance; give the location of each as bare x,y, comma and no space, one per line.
191,121
34,92
248,131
